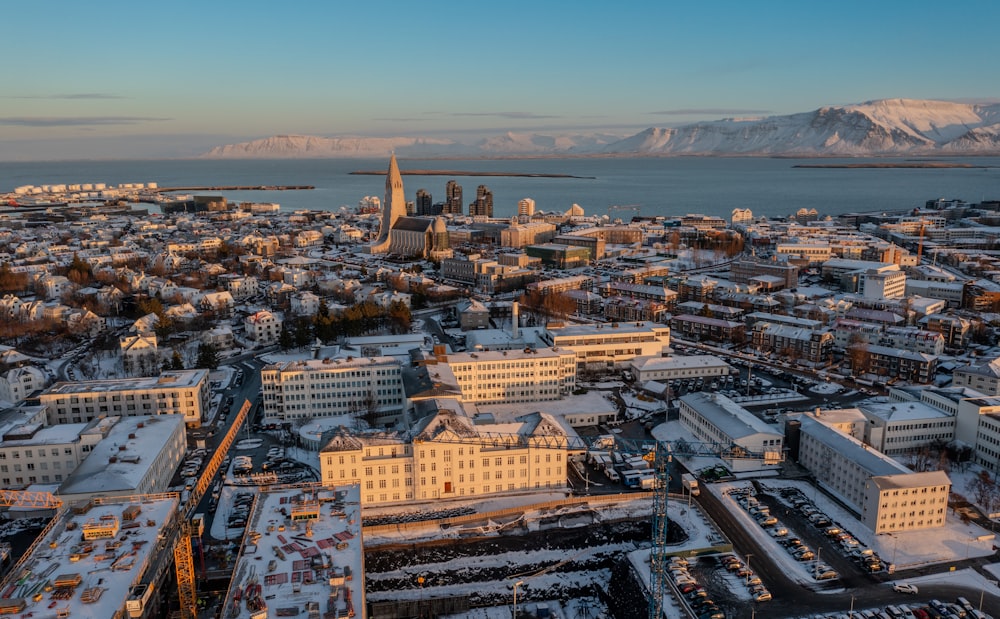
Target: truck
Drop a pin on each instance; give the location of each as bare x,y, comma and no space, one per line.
690,484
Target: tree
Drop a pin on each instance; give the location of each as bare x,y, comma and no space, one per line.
286,339
208,356
176,363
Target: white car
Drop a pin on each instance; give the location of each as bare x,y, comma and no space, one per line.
902,587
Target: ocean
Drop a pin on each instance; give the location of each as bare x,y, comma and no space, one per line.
655,186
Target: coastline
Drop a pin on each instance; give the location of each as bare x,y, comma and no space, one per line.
467,173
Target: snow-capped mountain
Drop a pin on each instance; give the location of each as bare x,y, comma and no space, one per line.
890,126
884,127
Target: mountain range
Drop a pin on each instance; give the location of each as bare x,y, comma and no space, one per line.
874,128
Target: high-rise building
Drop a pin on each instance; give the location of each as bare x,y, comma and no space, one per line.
483,206
425,203
453,198
526,207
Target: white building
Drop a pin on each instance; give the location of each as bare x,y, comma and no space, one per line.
139,354
887,496
369,387
449,455
263,327
529,375
182,392
32,453
905,427
665,369
138,455
882,283
305,303
607,346
746,442
984,378
16,384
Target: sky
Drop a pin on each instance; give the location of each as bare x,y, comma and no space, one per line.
110,79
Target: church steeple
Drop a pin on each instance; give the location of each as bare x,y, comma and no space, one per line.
393,207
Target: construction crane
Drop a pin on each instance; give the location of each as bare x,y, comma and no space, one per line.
658,453
25,498
187,530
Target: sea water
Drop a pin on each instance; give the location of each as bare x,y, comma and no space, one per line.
649,186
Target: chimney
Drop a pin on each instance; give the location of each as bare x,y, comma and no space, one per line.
514,314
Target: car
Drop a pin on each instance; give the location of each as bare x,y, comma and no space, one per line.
902,587
762,596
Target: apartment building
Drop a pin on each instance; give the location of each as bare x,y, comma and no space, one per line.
176,392
359,386
529,375
983,377
608,346
887,496
792,342
447,455
263,327
702,328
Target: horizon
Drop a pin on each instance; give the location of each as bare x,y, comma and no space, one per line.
130,81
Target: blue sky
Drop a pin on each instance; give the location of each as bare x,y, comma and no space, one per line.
127,79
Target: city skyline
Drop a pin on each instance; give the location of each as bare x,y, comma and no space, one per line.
118,80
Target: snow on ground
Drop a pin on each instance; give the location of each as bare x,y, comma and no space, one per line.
826,388
584,608
953,542
965,578
247,444
799,571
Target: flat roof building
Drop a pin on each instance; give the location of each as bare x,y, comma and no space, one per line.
746,442
303,556
181,392
887,496
92,560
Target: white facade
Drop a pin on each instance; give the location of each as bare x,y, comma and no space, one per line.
449,456
678,368
749,443
263,327
17,384
137,455
513,375
984,378
35,454
330,387
609,345
887,496
883,283
183,392
906,427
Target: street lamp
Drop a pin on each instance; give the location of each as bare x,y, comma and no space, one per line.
748,568
850,613
516,585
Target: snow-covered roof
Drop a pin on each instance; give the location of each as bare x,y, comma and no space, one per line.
103,575
307,545
120,462
873,462
736,421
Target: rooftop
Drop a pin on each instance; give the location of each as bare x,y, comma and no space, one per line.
302,555
873,462
723,413
119,463
92,578
177,379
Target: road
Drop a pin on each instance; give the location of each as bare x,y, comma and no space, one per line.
792,599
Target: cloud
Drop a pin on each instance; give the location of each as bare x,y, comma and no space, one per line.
709,111
517,115
70,95
75,121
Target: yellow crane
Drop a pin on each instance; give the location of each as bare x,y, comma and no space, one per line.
183,556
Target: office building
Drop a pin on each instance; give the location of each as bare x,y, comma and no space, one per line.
180,392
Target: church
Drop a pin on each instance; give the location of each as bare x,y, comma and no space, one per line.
401,235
